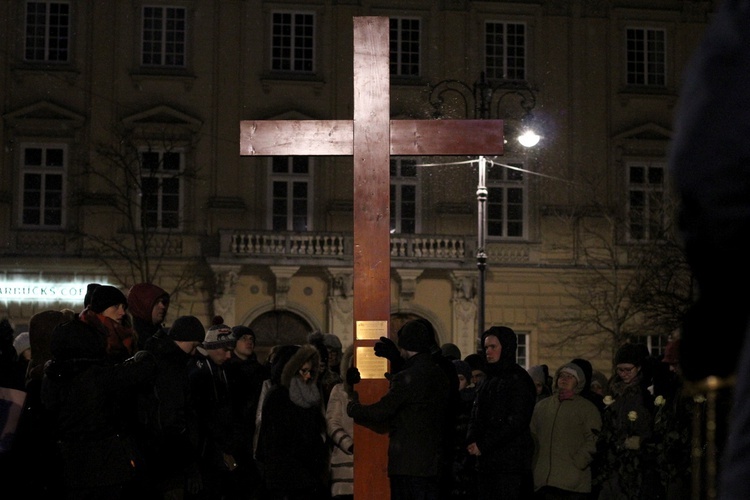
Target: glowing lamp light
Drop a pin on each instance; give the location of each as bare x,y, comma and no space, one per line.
529,138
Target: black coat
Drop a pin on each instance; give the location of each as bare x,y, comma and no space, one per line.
84,397
414,412
166,412
291,444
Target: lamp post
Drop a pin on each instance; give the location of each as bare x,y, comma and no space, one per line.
486,98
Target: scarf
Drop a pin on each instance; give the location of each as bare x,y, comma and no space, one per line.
303,394
564,394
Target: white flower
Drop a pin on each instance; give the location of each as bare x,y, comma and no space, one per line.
660,401
632,416
699,398
608,400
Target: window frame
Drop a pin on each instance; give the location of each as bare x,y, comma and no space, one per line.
398,43
162,44
290,178
648,194
396,185
640,68
45,171
504,185
293,39
160,174
523,349
47,36
520,72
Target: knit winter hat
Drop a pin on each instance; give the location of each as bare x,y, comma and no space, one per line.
537,374
463,368
90,293
218,336
105,296
187,329
476,361
633,354
332,342
450,351
21,342
415,336
240,331
574,370
142,298
598,378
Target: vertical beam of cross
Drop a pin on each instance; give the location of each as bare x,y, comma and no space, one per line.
371,138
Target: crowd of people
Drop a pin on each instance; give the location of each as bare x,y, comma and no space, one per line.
117,406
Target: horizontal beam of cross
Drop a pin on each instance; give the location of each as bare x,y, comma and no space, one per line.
335,137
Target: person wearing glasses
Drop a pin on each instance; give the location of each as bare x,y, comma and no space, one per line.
623,464
292,448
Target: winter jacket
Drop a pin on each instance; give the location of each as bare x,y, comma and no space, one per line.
292,447
414,411
341,434
565,437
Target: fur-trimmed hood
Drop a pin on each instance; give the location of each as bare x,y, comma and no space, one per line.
305,353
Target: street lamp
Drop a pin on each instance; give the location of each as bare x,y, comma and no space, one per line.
486,98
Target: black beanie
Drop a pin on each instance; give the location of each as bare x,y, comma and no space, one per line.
415,336
89,293
633,354
240,331
105,296
187,329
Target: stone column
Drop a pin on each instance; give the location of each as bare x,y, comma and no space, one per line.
464,302
341,304
226,278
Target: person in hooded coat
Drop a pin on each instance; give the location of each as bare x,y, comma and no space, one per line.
564,427
499,434
148,305
292,444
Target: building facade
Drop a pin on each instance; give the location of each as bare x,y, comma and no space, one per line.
120,160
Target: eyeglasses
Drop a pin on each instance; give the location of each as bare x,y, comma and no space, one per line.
625,369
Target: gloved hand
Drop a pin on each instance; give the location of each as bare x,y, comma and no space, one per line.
353,376
386,348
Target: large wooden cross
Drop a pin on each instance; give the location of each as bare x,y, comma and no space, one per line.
371,137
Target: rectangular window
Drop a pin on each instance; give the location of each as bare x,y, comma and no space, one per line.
522,350
404,46
161,202
646,57
291,200
164,36
404,196
505,51
47,32
646,213
293,42
43,172
506,203
656,344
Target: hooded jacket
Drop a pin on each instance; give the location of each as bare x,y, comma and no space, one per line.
564,435
292,445
142,298
502,411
